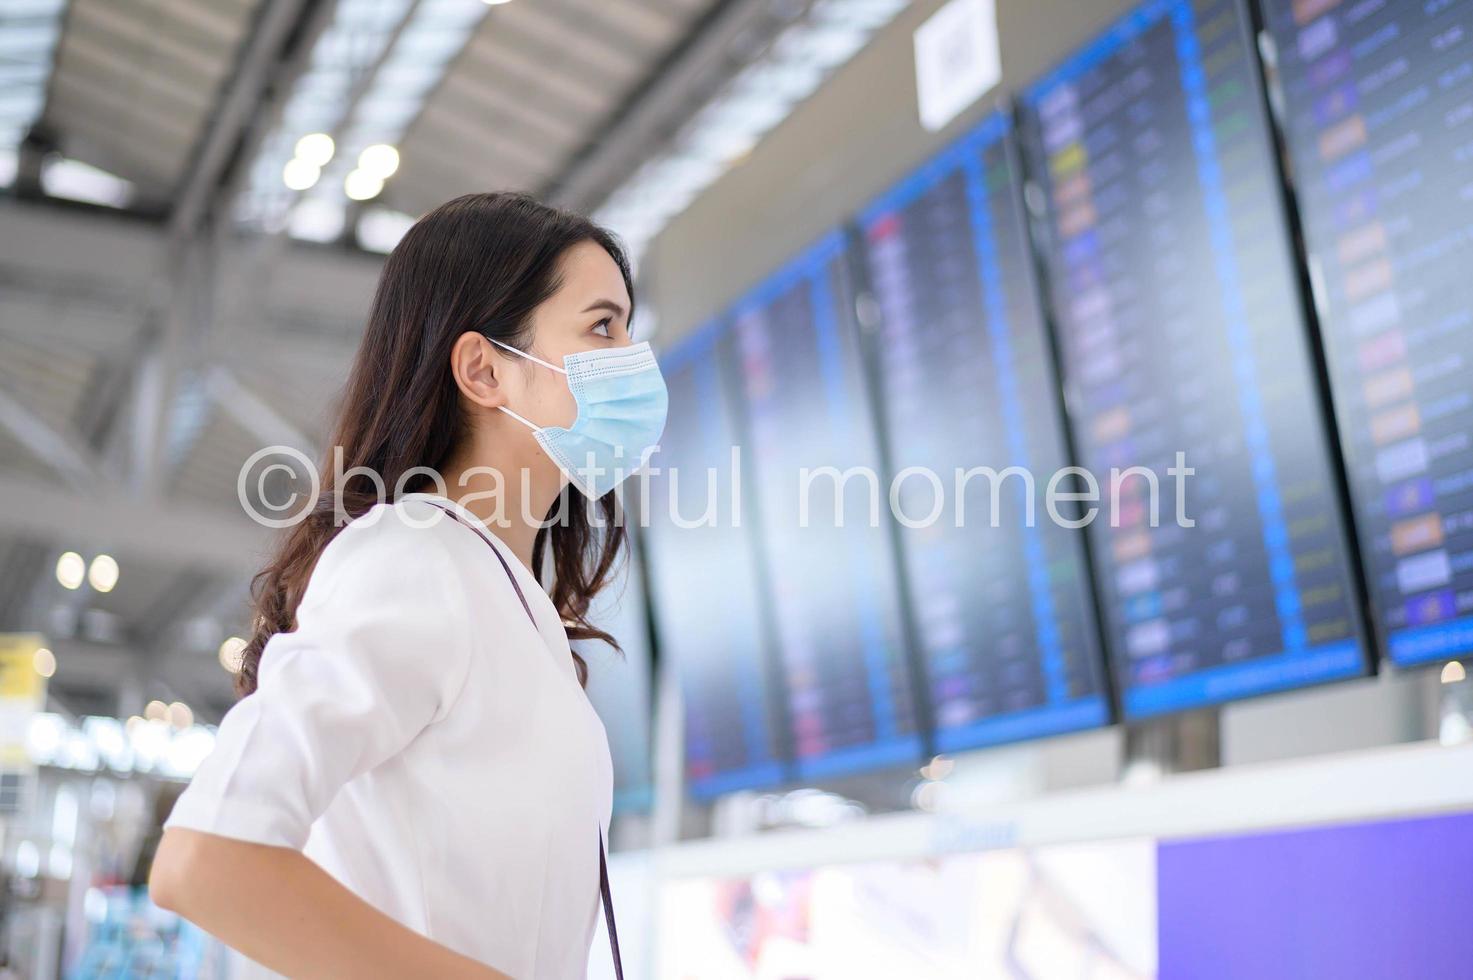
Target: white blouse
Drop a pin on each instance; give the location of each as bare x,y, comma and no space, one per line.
417,738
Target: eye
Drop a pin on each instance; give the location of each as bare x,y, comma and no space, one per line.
602,327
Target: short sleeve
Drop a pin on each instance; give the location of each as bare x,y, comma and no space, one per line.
380,652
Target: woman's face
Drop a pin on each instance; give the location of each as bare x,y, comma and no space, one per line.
589,312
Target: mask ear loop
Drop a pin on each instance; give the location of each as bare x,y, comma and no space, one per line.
530,357
531,425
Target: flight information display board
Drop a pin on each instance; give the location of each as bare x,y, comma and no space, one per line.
1181,331
838,626
619,686
704,577
1001,602
1378,122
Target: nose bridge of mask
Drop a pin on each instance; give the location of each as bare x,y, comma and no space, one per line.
587,368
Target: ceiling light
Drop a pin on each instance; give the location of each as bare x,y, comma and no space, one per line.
45,662
362,186
180,716
316,149
938,768
369,74
379,229
104,573
231,653
317,219
299,174
71,570
73,180
380,160
9,166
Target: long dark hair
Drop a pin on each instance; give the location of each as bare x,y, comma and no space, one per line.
481,262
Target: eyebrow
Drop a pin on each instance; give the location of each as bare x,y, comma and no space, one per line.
605,304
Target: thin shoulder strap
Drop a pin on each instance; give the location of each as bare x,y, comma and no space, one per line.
603,867
499,557
603,887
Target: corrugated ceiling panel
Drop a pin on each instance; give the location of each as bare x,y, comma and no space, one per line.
563,35
534,85
479,95
49,381
211,470
135,82
18,461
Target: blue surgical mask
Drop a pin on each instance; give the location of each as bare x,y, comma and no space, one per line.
621,401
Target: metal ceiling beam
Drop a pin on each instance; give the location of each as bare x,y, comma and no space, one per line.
173,301
137,676
274,53
253,413
165,531
74,277
282,25
265,251
64,452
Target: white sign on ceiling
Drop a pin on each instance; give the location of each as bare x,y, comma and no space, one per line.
957,59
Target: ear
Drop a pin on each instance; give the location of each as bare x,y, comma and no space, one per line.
475,364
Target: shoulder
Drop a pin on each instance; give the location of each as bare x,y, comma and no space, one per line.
408,544
386,601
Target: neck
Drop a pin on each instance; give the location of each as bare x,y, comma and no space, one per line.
513,505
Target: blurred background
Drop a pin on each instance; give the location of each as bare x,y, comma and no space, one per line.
1032,233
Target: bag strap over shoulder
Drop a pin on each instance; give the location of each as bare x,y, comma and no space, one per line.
603,868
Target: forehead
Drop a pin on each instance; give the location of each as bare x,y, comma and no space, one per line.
589,272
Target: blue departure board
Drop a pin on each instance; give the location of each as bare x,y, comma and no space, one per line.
1378,123
839,635
619,687
704,578
1003,616
1181,329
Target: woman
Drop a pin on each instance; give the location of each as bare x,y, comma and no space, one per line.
415,784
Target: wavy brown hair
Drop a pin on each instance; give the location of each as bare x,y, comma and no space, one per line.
481,262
